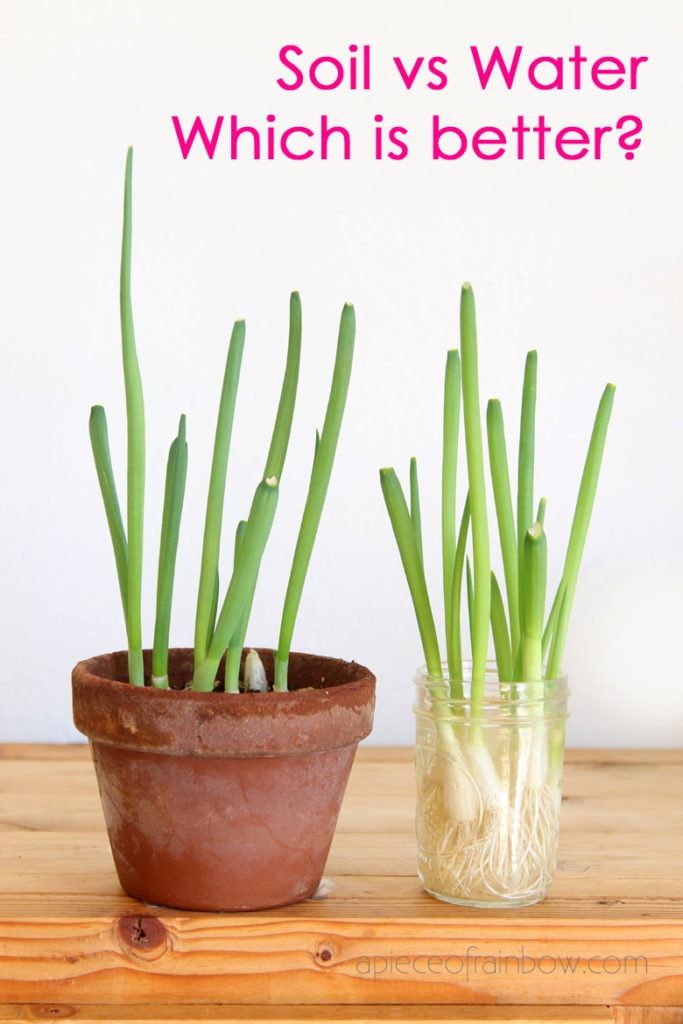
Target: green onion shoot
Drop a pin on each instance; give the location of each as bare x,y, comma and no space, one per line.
221,620
495,805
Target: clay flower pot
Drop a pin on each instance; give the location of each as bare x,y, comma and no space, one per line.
222,801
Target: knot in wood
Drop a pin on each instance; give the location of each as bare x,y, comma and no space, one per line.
324,953
142,934
52,1011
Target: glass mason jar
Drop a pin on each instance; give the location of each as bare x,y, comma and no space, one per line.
489,786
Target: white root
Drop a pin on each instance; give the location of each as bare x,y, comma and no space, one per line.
506,850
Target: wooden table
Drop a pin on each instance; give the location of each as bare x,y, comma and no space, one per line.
607,944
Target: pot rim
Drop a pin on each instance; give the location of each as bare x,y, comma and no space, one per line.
183,722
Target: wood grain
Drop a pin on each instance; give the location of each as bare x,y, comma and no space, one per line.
147,1014
610,934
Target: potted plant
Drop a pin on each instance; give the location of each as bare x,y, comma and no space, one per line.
490,735
221,771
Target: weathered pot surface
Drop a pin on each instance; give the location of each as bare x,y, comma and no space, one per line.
220,801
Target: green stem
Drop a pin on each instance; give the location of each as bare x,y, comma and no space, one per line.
540,515
501,636
535,575
413,568
242,582
470,601
135,414
275,462
317,491
580,524
282,428
213,521
213,611
99,439
525,467
415,513
174,494
553,617
502,493
454,627
234,657
475,470
451,429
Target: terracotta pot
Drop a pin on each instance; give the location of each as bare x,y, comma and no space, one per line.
220,801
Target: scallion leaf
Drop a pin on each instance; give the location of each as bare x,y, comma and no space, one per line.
481,615
317,490
176,474
135,414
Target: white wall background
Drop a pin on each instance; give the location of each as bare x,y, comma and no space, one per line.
582,260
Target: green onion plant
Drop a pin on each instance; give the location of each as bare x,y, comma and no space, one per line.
528,640
220,625
520,630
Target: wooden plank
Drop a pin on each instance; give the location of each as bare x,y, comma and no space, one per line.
648,1014
147,1014
44,751
76,861
572,899
618,896
609,755
250,959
